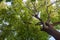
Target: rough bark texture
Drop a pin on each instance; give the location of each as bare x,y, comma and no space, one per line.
51,31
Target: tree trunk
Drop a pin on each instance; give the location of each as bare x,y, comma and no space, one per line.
53,33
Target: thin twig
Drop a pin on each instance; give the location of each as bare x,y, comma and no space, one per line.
52,3
35,10
48,18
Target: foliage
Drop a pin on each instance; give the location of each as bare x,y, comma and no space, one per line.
0,0
15,20
8,0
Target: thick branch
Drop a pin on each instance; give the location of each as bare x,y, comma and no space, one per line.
56,23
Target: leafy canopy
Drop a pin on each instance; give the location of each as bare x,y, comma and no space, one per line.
17,22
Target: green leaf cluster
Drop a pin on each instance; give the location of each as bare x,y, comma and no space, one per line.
17,23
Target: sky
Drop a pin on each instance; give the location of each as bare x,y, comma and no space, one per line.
8,3
51,38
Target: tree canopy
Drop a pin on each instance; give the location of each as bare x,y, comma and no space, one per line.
17,22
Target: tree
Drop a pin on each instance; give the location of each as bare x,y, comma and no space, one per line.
19,22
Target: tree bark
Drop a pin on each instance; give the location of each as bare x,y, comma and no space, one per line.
53,33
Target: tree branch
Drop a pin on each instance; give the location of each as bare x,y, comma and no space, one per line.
52,3
55,23
48,17
35,10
